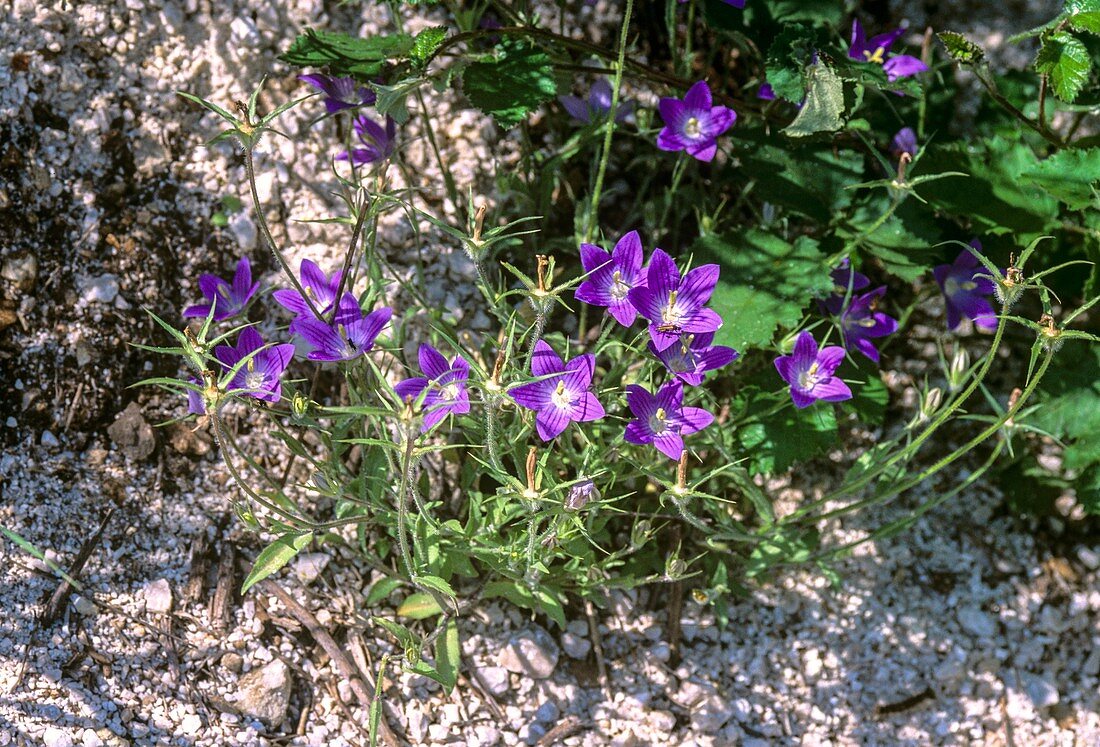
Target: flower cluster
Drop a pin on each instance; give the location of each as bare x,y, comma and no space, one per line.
858,315
965,290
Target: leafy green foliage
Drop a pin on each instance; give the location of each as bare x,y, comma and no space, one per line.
765,283
1071,176
510,86
1083,15
347,55
961,49
426,43
275,556
788,57
776,441
1066,60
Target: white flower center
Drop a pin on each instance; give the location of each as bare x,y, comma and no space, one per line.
562,397
808,379
254,380
691,127
657,422
619,287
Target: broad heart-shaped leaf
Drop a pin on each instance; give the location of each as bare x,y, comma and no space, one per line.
781,439
765,283
275,556
1066,60
961,49
1072,176
1084,15
346,55
511,86
788,56
823,110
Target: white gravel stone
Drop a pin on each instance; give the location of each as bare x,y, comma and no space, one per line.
55,737
532,653
575,646
976,622
1043,692
101,289
158,596
494,679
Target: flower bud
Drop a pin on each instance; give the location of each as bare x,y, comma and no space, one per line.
580,494
932,401
960,368
299,405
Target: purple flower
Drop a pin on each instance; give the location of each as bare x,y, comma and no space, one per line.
349,336
340,93
580,494
228,300
904,142
860,323
693,125
846,281
378,143
662,420
810,373
693,356
611,276
875,49
195,404
765,92
446,385
964,292
561,398
322,291
259,376
597,106
673,305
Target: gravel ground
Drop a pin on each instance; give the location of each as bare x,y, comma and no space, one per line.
970,628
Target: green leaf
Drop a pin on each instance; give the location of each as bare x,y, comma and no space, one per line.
347,55
393,100
1072,176
765,283
381,590
1088,490
448,655
426,42
511,86
1065,59
823,110
403,635
419,606
788,56
435,583
961,49
781,439
1084,15
275,556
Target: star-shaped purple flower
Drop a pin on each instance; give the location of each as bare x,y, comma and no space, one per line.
846,282
693,356
673,305
349,336
321,289
340,92
597,106
259,376
378,143
694,124
228,299
662,420
875,49
860,322
561,395
611,276
445,384
964,292
810,372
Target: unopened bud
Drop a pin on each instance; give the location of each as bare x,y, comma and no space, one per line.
960,367
299,405
580,494
932,401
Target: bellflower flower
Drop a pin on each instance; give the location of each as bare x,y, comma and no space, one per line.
765,92
349,336
597,106
446,385
860,323
227,299
673,305
562,398
580,494
195,405
844,279
321,289
340,93
904,142
611,276
378,143
875,49
810,372
693,124
965,292
662,420
693,356
259,376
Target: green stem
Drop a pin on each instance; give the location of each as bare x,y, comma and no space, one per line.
403,509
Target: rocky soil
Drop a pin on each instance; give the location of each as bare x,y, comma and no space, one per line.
973,627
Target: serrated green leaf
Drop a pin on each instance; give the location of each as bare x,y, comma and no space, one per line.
1065,59
1084,15
347,55
788,57
435,583
961,49
448,655
781,439
419,606
382,589
765,283
511,86
403,635
1072,176
393,100
823,110
275,556
426,42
